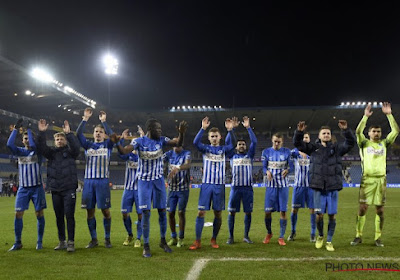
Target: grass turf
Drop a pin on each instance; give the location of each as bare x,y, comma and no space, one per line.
123,262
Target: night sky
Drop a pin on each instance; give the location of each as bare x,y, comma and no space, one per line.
229,53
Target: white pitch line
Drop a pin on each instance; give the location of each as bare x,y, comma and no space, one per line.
196,269
200,264
308,259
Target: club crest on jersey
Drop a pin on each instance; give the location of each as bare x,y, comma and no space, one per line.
220,152
157,146
282,157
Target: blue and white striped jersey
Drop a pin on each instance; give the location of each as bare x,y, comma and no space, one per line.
276,161
29,161
213,160
302,168
97,155
181,181
132,162
150,157
242,164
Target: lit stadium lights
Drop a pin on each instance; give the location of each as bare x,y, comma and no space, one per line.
15,94
32,94
120,121
59,106
190,108
111,65
28,92
42,75
69,110
359,104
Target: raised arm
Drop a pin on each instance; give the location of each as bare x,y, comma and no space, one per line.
361,126
391,137
350,139
298,142
253,138
177,142
87,113
41,139
103,120
72,140
205,123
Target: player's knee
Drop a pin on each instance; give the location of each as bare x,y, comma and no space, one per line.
19,214
39,213
162,210
181,213
106,213
248,214
332,217
379,211
125,215
218,214
232,213
201,213
363,209
171,214
267,215
295,210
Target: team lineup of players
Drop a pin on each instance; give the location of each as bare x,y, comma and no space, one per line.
318,179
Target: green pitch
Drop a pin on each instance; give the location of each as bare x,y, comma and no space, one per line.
299,259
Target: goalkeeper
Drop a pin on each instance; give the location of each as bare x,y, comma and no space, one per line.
373,162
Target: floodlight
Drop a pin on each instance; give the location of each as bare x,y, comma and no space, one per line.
42,75
111,65
28,92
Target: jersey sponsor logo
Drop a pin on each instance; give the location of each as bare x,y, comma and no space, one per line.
132,164
99,152
241,161
303,161
28,159
167,139
277,164
371,150
213,157
151,155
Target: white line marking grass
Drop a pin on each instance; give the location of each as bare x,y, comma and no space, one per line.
200,264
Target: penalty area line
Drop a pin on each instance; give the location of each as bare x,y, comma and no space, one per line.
200,264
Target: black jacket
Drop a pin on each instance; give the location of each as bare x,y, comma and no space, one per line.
61,166
325,162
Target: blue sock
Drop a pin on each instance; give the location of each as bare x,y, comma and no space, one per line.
247,224
18,225
128,225
40,228
283,223
293,219
139,229
216,227
199,227
173,234
162,220
107,227
268,222
320,227
146,226
331,230
231,224
313,224
92,227
181,234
